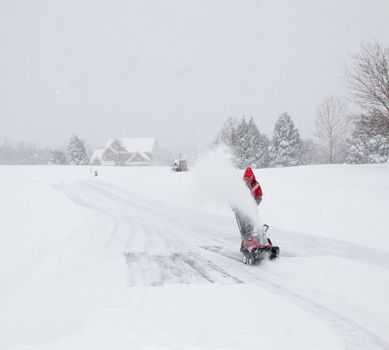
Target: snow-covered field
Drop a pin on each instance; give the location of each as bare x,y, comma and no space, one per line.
144,258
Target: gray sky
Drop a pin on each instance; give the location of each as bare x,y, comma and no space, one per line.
173,69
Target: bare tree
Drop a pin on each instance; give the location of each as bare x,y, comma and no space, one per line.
331,125
229,133
368,80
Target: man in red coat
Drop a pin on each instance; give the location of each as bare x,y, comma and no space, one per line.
253,185
246,225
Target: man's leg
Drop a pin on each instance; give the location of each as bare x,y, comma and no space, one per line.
245,225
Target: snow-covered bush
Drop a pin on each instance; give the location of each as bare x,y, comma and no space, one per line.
57,157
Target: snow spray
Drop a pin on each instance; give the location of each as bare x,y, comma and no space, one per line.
216,180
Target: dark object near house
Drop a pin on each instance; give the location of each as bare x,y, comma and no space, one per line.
180,165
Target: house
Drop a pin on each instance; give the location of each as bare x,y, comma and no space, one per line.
97,157
128,151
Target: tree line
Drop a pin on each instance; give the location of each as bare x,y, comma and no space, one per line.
250,147
340,137
30,154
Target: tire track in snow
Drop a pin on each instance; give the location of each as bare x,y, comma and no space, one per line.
352,334
153,268
301,245
76,195
195,222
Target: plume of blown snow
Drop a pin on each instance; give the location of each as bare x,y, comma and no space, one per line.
217,181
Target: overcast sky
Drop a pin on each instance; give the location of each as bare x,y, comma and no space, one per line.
174,69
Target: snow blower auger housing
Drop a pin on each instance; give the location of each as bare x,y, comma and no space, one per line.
252,250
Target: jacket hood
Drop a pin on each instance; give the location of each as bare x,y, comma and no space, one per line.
248,174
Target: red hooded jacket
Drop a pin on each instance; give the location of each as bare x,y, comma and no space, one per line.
252,184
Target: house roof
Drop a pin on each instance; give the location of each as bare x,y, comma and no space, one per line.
142,155
98,154
133,145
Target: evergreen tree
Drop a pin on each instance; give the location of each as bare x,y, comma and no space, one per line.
256,146
243,147
77,154
248,146
286,146
368,144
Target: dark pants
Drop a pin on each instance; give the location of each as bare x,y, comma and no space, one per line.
245,224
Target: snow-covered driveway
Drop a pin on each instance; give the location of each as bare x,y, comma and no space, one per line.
137,271
165,244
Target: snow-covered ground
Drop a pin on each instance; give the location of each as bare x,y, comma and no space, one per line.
144,258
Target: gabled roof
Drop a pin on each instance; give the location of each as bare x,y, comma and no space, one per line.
141,145
139,156
98,154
